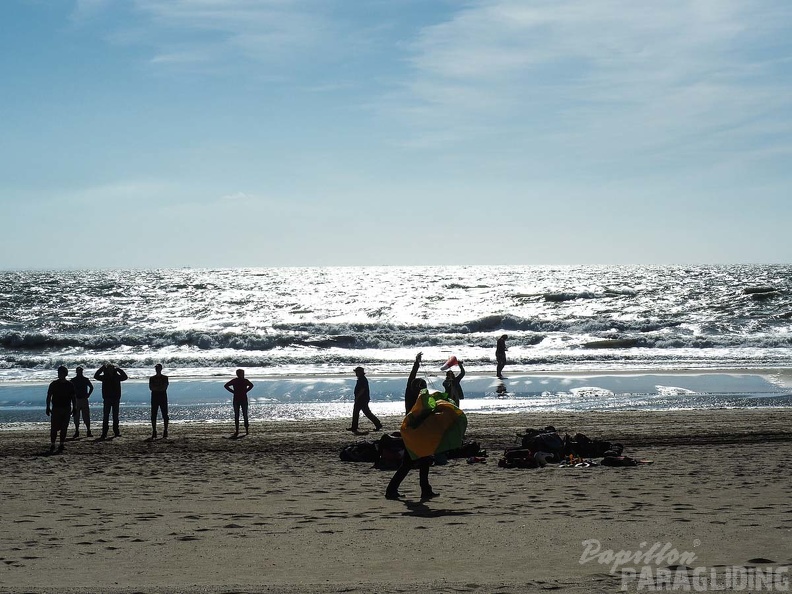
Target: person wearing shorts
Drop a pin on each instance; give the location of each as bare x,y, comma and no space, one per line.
60,404
239,387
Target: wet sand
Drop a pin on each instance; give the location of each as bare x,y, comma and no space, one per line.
278,511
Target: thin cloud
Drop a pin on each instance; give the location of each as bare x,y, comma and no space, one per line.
125,192
275,32
237,197
86,9
630,74
186,56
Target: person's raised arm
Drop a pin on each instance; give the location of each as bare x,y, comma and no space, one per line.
461,371
414,370
99,374
122,376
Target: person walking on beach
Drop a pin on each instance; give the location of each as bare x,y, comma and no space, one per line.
60,404
83,388
158,384
411,393
239,387
452,384
500,355
362,399
111,378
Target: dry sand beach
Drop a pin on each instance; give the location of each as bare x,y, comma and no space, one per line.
278,511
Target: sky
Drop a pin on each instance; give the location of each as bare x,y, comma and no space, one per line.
225,133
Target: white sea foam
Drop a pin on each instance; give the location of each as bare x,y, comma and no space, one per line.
291,398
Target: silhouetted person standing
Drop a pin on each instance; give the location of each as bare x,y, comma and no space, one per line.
452,384
239,387
83,388
60,404
158,384
111,378
362,399
500,355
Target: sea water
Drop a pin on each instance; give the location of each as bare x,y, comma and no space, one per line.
299,331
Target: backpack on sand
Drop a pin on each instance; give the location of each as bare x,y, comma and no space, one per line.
390,451
546,440
518,458
594,448
361,451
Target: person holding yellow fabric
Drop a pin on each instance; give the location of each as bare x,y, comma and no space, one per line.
432,426
408,463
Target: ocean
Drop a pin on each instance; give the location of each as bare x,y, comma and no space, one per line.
298,332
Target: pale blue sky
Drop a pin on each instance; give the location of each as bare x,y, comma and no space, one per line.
149,133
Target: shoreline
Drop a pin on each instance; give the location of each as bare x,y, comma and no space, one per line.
784,372
327,397
279,512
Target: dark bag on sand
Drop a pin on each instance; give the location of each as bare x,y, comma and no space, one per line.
361,451
593,448
546,440
390,451
518,458
466,450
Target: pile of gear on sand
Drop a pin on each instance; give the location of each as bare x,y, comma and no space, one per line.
541,447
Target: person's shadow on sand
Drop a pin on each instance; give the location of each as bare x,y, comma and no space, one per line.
421,510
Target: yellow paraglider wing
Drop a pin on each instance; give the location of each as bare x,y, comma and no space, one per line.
433,425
